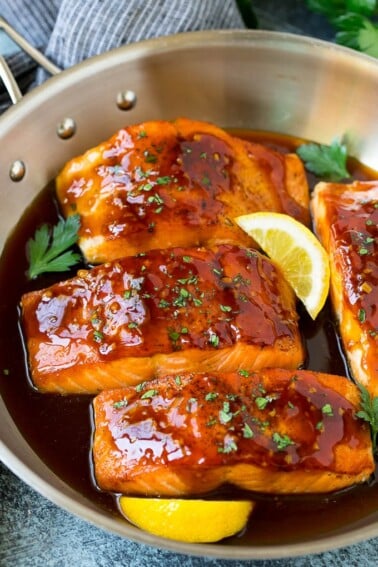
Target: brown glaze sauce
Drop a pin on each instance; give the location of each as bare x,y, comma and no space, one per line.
356,235
172,301
163,184
59,428
184,411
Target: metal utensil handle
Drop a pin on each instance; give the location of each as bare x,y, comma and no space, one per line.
6,74
9,81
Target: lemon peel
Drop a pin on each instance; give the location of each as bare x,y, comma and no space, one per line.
296,250
193,521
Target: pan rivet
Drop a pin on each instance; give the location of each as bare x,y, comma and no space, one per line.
126,100
66,129
17,170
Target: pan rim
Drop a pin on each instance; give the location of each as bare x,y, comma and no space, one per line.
177,42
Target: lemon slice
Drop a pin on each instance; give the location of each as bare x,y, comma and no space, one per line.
296,250
194,521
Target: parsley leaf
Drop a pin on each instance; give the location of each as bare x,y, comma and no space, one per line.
355,22
333,8
366,7
368,38
328,162
48,250
357,32
348,27
369,413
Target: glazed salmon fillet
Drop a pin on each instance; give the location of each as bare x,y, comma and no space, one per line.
274,431
165,311
166,184
346,220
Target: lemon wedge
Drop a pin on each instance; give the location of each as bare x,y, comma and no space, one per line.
193,521
296,250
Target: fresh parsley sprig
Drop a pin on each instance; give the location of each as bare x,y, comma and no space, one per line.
48,250
326,161
335,8
369,413
355,22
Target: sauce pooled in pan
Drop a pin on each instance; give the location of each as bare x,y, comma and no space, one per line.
59,428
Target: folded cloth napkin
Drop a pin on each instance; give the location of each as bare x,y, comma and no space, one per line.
68,31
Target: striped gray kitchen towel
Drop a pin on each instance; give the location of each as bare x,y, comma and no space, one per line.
68,31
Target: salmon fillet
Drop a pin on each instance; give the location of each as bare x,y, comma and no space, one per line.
274,431
346,220
167,184
165,311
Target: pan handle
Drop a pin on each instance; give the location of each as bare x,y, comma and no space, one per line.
9,81
6,74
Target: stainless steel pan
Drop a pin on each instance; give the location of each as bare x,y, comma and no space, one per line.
243,79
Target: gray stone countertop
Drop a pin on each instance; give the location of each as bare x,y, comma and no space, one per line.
36,533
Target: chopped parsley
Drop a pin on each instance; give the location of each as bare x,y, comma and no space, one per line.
327,410
263,401
146,187
244,373
282,441
98,336
238,279
120,404
230,446
155,198
247,431
173,335
163,180
214,340
362,315
149,157
148,394
210,396
225,415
